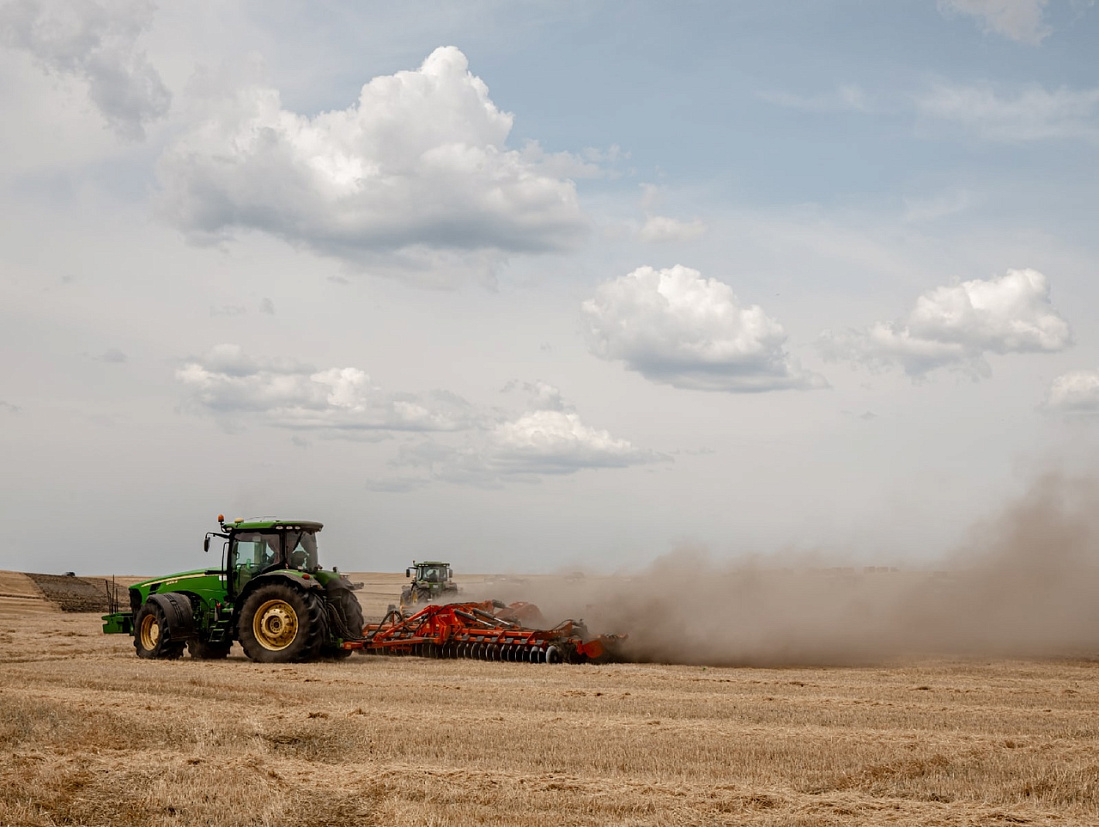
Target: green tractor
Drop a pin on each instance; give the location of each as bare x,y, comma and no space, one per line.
432,582
270,594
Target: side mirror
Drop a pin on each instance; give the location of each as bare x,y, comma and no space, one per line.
209,534
408,572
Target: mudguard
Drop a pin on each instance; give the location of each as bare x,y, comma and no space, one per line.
287,578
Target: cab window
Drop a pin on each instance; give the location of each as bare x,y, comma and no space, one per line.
255,550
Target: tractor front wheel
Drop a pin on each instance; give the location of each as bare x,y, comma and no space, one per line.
151,637
281,624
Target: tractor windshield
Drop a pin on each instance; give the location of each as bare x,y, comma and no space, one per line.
255,550
301,547
430,574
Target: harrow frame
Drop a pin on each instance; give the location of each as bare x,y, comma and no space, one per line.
479,631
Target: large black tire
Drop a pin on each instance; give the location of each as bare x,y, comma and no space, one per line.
350,612
205,650
281,624
350,615
151,636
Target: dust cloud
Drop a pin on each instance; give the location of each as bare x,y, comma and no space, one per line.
1025,583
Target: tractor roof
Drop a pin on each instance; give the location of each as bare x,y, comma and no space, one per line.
255,523
431,563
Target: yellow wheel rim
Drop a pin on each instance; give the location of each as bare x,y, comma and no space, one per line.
275,625
150,632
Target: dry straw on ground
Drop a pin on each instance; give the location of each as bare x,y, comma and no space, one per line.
889,698
90,735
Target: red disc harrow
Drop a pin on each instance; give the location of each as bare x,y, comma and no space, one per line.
483,631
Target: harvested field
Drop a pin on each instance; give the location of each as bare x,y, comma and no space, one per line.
91,735
18,593
73,594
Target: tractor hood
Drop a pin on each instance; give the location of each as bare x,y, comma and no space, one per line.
172,579
168,580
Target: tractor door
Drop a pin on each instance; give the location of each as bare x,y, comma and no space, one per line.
250,553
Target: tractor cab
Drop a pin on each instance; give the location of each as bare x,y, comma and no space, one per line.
431,580
258,546
429,572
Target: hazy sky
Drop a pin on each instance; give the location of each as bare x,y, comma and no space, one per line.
542,285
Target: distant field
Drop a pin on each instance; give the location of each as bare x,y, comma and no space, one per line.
90,735
53,593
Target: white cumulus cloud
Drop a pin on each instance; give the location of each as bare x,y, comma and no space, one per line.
547,439
956,325
675,327
418,164
659,228
1032,113
550,441
1019,20
843,99
229,384
938,207
94,41
1076,392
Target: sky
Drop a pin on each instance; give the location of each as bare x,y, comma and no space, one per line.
542,286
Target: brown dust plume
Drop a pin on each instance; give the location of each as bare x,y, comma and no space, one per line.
1026,583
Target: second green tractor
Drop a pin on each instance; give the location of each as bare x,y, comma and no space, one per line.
432,581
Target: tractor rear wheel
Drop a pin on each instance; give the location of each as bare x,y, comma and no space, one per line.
281,624
204,650
151,637
351,613
350,616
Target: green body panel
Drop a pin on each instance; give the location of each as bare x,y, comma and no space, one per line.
260,523
325,577
435,588
207,583
211,585
119,623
